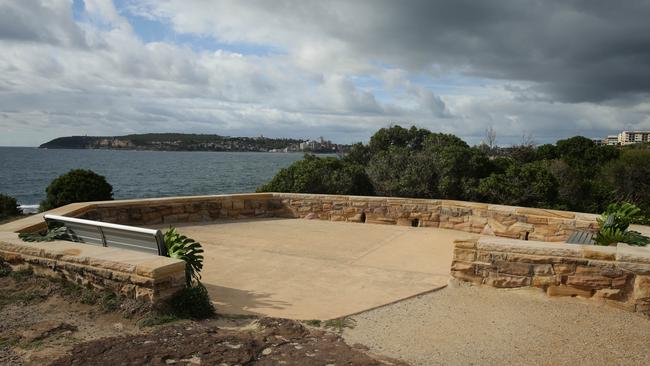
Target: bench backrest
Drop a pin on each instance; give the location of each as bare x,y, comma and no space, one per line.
111,235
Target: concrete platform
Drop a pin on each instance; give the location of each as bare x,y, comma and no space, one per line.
309,269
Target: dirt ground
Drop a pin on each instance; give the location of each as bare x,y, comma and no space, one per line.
45,322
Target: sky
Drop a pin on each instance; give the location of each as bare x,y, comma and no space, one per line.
339,69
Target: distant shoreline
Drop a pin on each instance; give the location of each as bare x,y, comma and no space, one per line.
194,142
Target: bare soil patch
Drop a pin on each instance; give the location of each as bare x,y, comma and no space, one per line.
45,321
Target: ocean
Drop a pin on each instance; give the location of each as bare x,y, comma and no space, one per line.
26,172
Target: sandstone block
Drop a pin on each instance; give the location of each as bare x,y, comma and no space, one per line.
641,289
514,268
608,293
462,267
619,282
465,243
542,270
544,281
563,290
588,281
563,269
464,255
507,281
467,277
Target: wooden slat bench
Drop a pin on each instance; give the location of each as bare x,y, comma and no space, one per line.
581,237
587,237
111,235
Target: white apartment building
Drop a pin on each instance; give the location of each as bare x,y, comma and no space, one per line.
611,140
632,137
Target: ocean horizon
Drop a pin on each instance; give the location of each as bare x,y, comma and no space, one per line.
27,171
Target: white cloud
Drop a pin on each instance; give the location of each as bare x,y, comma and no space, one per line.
94,75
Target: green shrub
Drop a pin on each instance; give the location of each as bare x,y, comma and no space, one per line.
614,224
192,303
321,175
181,247
629,179
531,185
77,185
48,235
5,268
8,207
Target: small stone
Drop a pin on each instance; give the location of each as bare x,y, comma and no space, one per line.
232,346
118,326
297,346
170,361
267,351
194,360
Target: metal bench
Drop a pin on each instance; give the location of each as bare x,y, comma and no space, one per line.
587,237
581,237
111,235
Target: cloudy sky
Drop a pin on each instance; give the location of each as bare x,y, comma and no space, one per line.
340,69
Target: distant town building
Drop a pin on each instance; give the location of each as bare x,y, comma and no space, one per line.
611,140
633,137
625,138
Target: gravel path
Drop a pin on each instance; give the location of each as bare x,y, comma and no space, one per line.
467,325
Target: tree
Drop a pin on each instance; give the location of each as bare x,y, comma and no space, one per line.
583,155
628,178
8,207
358,154
530,185
401,172
490,138
443,167
321,175
77,185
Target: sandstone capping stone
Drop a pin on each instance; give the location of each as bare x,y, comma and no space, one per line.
629,253
599,252
529,247
469,243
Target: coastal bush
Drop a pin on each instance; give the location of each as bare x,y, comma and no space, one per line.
321,175
181,247
77,185
192,303
614,225
628,178
8,207
530,185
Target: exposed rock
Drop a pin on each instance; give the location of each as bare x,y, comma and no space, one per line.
46,329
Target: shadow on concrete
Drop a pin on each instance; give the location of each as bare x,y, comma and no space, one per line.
235,301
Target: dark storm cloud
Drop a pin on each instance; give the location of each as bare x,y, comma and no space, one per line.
573,50
35,21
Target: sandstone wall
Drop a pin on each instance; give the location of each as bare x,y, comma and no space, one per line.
189,209
145,277
505,221
618,276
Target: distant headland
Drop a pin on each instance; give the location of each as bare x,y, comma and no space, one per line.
194,142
